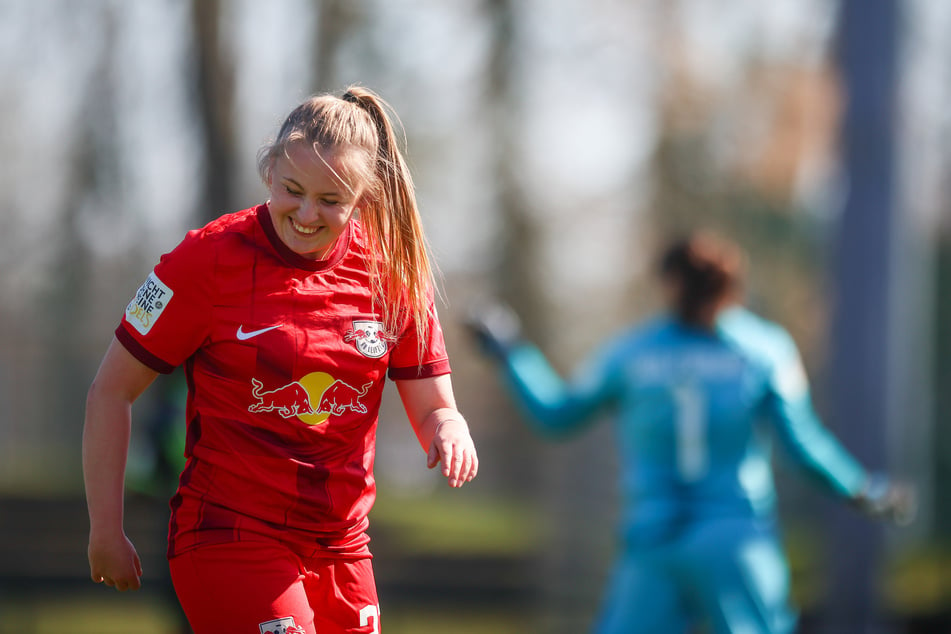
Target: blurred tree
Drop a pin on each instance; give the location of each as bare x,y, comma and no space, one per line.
748,190
517,269
515,276
575,501
213,95
65,306
336,21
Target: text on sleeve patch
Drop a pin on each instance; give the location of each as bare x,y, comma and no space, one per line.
147,305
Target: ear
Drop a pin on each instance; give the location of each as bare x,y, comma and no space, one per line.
269,173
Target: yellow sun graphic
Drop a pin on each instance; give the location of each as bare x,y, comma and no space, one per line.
315,383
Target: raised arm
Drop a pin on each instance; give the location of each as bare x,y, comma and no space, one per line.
119,382
441,429
551,406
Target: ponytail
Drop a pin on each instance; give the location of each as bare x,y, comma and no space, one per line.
708,272
401,272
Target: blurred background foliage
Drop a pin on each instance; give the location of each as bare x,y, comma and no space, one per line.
555,146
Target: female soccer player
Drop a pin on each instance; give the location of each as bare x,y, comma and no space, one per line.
288,317
696,392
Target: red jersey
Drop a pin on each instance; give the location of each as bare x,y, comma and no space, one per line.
285,361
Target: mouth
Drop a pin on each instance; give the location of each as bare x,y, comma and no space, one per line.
299,228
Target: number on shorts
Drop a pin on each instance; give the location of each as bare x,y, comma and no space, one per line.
371,613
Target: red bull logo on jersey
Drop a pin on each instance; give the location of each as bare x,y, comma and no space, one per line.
286,625
313,399
369,338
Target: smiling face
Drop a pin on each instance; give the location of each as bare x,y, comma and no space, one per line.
312,197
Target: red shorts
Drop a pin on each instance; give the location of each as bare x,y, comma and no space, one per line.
266,588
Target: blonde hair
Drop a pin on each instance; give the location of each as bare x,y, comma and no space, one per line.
401,275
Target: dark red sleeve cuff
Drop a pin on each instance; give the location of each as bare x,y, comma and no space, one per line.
426,371
139,352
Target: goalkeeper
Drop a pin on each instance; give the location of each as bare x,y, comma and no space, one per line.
698,393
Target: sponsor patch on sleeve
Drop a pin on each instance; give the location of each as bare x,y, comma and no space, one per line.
147,305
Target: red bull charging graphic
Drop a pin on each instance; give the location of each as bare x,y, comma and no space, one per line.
313,399
286,625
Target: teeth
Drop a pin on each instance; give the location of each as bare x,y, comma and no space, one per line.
302,228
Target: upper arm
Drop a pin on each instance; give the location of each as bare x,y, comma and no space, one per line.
121,375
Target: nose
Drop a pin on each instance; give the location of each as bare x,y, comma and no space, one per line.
308,212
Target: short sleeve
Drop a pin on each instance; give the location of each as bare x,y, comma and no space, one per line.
409,360
169,316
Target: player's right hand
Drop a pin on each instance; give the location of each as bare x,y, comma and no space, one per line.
115,563
495,328
883,498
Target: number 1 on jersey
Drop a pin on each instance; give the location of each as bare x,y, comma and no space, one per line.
690,404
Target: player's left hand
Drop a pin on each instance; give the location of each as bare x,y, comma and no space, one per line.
453,447
883,498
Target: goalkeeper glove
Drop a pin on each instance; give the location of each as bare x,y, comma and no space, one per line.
495,328
884,499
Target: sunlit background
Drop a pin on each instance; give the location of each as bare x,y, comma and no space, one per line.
555,145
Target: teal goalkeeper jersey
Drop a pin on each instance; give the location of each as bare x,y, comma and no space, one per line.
696,413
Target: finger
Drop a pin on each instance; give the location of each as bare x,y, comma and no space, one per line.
448,456
473,467
432,458
461,472
138,566
451,465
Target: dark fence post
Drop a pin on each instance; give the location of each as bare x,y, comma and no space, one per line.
862,260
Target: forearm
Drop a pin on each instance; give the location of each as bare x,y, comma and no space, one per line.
549,405
817,451
440,428
106,434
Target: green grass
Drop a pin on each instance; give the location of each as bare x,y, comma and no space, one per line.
132,613
80,614
440,621
919,581
448,524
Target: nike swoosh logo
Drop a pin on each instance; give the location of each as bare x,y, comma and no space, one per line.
242,335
